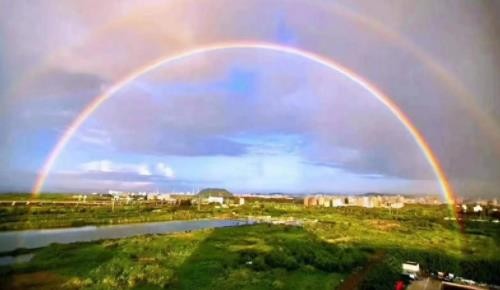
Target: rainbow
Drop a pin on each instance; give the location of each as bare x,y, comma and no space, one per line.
466,98
372,89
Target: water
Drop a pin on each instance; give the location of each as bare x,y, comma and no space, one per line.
30,239
10,260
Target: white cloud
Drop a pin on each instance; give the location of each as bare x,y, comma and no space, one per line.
165,170
98,165
93,137
144,170
141,169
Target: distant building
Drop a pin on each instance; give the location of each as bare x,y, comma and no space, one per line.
163,196
320,200
367,201
166,198
477,208
411,269
326,202
397,205
336,202
310,201
306,201
115,192
215,199
241,201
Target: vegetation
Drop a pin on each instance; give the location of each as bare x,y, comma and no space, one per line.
22,211
250,257
331,245
37,217
215,192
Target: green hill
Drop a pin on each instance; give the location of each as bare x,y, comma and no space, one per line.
218,192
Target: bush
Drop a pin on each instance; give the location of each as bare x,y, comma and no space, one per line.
281,259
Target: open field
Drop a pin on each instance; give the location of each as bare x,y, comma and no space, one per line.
250,257
363,247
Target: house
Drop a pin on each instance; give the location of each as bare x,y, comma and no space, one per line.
397,205
411,269
215,199
166,198
336,202
367,201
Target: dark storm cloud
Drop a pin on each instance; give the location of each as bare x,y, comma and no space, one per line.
184,144
54,98
342,122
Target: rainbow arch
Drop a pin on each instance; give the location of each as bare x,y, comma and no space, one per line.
467,99
431,158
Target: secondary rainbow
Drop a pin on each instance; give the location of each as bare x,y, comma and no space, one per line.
467,99
372,89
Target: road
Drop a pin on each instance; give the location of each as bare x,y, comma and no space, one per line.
354,280
425,284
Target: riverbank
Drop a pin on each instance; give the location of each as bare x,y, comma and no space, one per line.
248,257
45,216
31,239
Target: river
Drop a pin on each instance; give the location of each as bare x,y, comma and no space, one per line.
29,239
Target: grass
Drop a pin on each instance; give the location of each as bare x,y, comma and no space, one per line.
332,243
281,257
50,216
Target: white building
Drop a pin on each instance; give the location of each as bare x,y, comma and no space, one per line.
166,198
163,196
115,192
337,202
367,202
215,199
477,208
397,205
411,269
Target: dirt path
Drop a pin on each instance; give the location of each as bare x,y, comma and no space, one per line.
36,280
425,284
352,282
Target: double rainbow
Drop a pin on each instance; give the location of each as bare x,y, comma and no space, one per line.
431,158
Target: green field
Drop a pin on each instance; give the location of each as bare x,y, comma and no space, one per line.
247,257
35,216
332,245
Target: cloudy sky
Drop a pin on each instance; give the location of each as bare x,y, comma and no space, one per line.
248,119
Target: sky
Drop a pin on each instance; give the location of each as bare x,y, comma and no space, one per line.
249,119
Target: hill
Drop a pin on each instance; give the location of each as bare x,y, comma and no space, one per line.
218,192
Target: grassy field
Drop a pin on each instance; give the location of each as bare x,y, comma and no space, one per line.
334,244
249,257
35,216
38,217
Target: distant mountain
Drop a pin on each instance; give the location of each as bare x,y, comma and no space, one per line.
394,194
373,194
378,194
216,192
